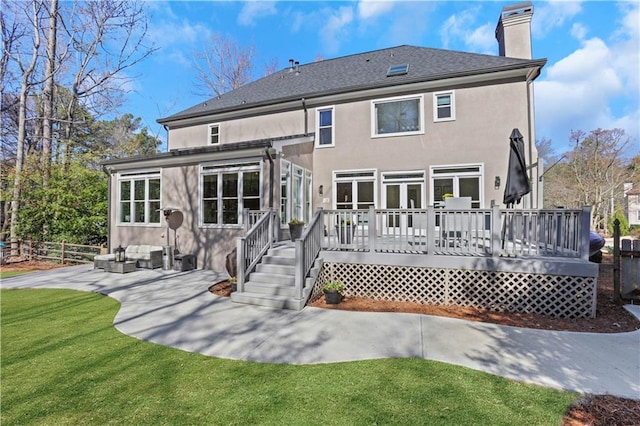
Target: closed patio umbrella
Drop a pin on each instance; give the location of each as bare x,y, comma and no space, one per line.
518,184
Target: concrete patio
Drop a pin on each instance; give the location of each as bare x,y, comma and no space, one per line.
176,309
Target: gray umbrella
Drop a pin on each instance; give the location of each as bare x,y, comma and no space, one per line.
518,183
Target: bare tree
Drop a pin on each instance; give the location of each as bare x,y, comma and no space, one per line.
271,67
49,83
222,66
107,38
598,168
26,83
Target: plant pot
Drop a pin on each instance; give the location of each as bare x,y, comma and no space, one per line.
345,233
234,287
295,230
332,297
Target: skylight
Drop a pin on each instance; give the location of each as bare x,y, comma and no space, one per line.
398,70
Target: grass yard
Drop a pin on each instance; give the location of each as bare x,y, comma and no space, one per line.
9,274
62,362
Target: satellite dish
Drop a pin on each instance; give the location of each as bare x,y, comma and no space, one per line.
175,220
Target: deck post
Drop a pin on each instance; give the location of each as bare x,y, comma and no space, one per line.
496,228
616,262
245,220
299,265
373,220
585,223
431,229
240,265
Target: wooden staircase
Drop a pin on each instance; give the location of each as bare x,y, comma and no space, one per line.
273,282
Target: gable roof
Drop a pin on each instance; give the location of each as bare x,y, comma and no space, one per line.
352,73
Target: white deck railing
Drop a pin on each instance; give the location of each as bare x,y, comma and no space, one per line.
307,249
473,232
256,242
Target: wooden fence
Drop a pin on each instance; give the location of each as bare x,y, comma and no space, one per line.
64,253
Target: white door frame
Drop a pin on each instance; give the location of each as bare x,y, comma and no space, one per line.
403,179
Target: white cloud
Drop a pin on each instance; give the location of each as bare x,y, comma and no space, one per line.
549,15
595,86
579,31
461,27
577,93
254,10
336,28
368,9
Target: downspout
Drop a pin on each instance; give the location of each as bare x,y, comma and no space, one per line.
166,129
532,135
104,169
268,152
306,117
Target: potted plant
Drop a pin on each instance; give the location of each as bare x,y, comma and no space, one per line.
234,283
333,292
295,229
346,230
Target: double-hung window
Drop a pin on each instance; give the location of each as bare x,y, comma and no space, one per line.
226,190
444,106
214,134
139,198
325,129
397,116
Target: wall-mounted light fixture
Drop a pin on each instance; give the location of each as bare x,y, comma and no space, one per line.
496,183
321,190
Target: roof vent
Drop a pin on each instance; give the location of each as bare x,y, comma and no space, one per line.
401,69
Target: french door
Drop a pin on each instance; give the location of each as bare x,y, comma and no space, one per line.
402,190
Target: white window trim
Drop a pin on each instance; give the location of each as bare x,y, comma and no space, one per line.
399,177
394,99
209,133
220,167
335,180
138,175
456,175
452,93
333,127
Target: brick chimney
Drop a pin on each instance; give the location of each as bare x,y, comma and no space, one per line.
514,30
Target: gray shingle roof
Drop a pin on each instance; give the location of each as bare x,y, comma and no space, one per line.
351,73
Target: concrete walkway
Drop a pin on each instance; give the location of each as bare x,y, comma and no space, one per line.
175,309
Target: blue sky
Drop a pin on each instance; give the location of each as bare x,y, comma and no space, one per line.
591,78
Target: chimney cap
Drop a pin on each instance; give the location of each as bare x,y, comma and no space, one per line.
522,8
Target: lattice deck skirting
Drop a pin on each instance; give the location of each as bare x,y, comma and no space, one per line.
553,295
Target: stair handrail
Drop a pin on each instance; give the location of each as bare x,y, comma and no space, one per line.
307,249
253,245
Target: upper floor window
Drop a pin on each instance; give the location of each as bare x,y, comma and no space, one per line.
325,129
214,134
226,191
139,198
397,116
444,106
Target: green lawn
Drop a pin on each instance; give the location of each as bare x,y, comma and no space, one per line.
4,274
62,362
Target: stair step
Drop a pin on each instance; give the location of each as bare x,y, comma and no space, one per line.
264,277
279,302
279,260
274,268
269,289
283,251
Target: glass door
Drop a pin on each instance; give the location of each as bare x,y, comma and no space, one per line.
402,191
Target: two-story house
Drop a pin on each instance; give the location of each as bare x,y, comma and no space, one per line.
392,128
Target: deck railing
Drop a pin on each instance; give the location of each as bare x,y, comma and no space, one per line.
307,249
256,242
472,232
